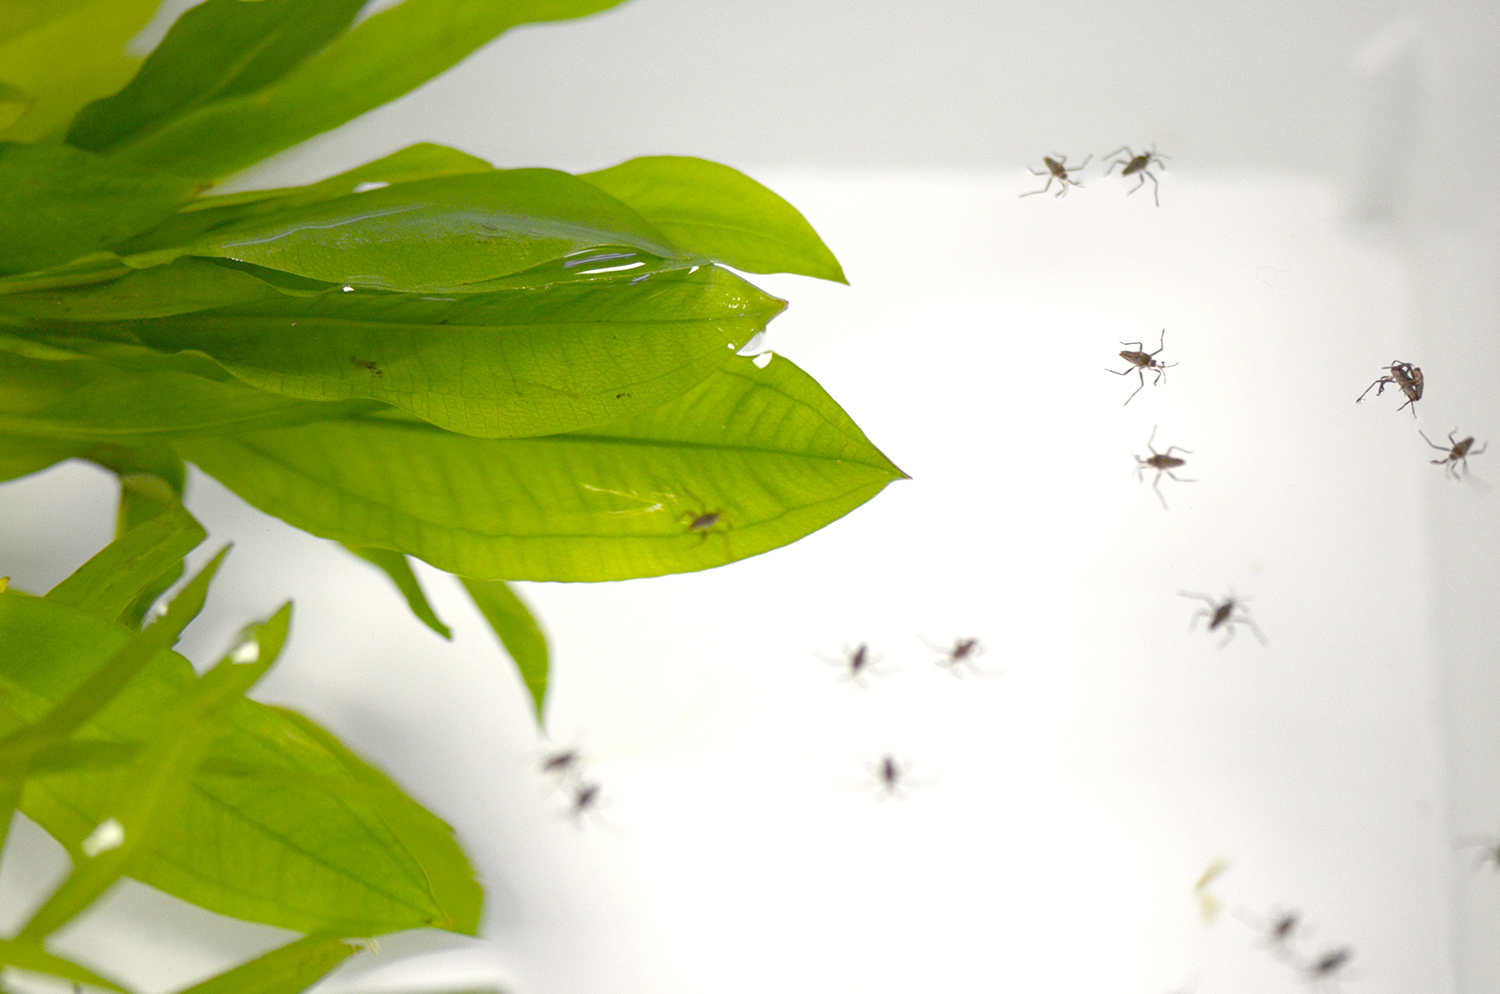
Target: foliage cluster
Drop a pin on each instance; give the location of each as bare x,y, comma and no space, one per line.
512,374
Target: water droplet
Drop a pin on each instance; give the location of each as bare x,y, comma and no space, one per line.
109,834
763,360
348,289
247,651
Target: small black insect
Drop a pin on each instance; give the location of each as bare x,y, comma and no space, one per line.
367,364
960,657
1325,967
1163,463
1406,377
1225,614
856,664
891,776
561,763
586,796
1458,452
1138,164
1141,361
1057,169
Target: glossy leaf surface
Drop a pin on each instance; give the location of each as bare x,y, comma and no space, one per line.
380,59
512,363
720,213
432,236
749,460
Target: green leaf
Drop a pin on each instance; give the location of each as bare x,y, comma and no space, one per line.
719,213
380,59
59,203
156,788
27,954
66,53
109,583
511,363
217,50
185,286
18,749
395,566
432,236
421,161
282,825
517,630
139,396
290,969
749,460
21,456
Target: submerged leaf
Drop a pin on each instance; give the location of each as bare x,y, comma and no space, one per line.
512,363
749,460
432,236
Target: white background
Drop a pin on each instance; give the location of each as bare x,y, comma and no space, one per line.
1063,805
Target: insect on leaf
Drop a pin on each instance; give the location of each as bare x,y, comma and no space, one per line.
749,460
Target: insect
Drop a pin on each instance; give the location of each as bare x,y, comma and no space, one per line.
1057,169
586,797
1325,966
1406,377
1138,164
1225,614
1141,361
1163,463
562,764
960,656
1458,455
702,521
367,364
856,663
891,776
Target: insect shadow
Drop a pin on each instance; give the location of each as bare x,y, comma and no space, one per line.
1225,614
1328,966
1488,846
1141,361
1138,165
1279,933
1057,169
1406,377
703,522
1163,463
1456,462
